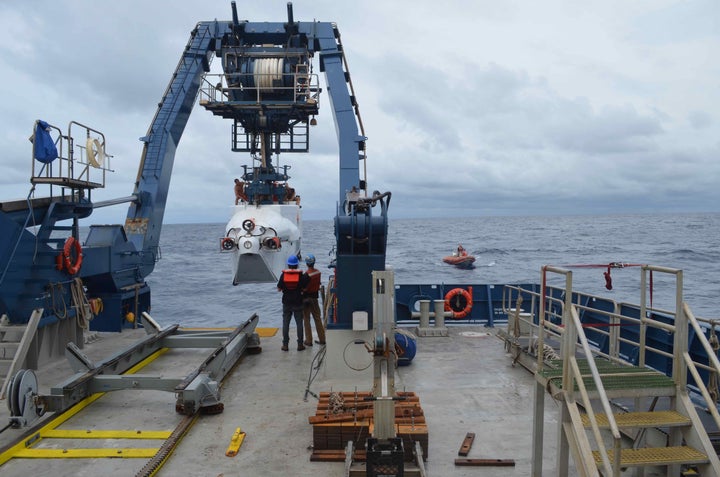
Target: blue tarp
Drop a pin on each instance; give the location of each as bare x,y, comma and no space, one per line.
45,149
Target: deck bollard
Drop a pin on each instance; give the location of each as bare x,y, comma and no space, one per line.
424,313
439,313
423,328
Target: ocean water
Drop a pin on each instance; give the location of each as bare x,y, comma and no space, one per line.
192,283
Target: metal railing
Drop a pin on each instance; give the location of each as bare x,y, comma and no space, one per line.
222,88
86,169
558,313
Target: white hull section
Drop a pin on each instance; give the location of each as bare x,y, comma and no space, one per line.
263,237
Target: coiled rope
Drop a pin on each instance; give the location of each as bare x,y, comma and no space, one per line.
81,304
57,298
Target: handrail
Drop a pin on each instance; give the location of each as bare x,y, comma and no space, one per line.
613,469
562,304
599,442
703,389
20,234
619,319
219,92
713,362
47,174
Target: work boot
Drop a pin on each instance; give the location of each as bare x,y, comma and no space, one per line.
301,347
308,343
284,347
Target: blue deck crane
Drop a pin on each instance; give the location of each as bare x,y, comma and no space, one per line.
264,91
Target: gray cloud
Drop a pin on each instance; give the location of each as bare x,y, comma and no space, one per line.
490,108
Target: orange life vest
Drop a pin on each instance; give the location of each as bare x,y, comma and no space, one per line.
314,284
291,278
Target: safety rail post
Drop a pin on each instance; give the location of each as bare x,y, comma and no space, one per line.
614,332
643,316
567,350
681,333
541,321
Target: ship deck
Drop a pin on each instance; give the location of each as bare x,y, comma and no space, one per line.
465,382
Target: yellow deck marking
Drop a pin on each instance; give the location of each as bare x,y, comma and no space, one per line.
262,332
235,443
145,453
266,332
103,434
24,446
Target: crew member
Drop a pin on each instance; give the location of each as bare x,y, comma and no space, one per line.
292,283
310,303
240,191
461,252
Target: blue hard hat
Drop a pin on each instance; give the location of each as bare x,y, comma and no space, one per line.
292,260
310,260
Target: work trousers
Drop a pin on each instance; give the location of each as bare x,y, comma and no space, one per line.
288,312
311,307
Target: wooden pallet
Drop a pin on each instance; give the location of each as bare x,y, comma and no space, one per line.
354,422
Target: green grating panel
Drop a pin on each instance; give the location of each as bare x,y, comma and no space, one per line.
614,376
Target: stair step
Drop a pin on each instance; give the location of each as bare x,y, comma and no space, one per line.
656,456
8,349
618,380
13,329
641,419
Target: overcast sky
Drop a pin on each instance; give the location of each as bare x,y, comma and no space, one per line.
471,108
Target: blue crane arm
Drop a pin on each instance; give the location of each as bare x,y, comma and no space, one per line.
144,218
350,142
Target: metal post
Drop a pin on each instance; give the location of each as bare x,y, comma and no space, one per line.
424,313
439,313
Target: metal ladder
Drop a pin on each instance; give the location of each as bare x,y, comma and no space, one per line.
15,340
616,411
670,436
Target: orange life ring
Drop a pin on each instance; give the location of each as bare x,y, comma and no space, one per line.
459,310
72,244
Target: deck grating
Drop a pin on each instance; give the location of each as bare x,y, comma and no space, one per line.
656,456
614,376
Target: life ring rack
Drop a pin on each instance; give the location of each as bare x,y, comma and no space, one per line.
454,299
65,259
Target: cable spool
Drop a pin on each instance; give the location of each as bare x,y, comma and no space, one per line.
406,347
266,71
